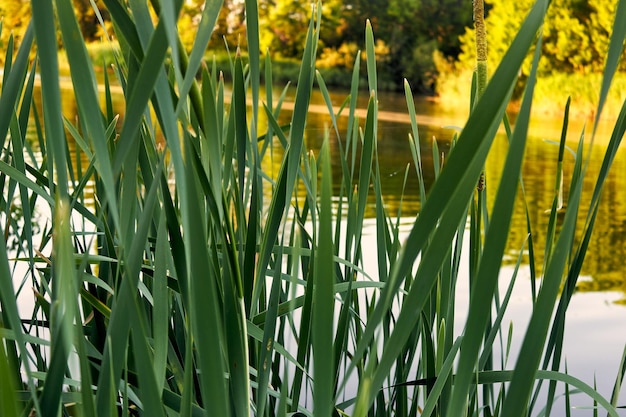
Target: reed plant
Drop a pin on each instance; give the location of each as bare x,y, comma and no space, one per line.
177,275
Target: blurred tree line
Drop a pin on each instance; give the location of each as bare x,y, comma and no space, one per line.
411,34
420,40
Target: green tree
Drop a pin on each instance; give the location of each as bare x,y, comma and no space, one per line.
356,12
86,19
188,21
414,30
284,26
230,26
411,31
15,15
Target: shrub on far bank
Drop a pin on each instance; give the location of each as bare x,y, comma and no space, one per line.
551,94
552,91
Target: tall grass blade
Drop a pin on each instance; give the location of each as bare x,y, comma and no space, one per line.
414,139
291,164
486,279
45,33
64,309
85,87
323,296
192,64
372,79
254,53
534,339
619,379
206,319
161,306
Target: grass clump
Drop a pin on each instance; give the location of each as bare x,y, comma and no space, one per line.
176,276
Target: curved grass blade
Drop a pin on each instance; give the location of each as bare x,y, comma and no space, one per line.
504,376
494,246
8,399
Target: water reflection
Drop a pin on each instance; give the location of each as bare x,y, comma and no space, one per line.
603,269
604,262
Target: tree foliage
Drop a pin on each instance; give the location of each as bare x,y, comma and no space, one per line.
15,16
88,20
409,33
284,26
575,35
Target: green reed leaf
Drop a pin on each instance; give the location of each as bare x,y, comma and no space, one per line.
323,297
206,319
8,400
45,33
14,82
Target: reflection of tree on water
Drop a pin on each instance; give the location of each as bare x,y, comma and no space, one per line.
13,224
607,247
608,281
603,264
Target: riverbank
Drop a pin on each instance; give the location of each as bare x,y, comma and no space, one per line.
550,96
551,92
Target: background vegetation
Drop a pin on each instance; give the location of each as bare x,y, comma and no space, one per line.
410,33
428,42
576,38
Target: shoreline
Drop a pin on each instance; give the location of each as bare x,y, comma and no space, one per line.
542,122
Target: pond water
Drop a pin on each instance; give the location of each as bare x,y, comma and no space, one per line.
596,330
595,333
